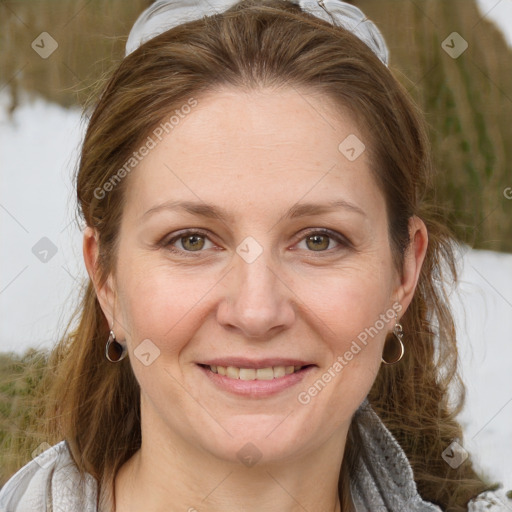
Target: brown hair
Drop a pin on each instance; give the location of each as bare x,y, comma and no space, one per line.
94,405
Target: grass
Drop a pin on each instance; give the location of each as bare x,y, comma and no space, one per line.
468,104
19,408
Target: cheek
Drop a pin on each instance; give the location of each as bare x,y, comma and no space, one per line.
355,307
348,300
160,304
162,308
357,313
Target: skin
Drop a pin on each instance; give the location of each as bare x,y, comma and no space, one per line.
255,154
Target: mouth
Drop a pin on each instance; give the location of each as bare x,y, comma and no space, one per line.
268,373
256,382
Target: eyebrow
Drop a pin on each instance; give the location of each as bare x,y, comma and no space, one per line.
216,212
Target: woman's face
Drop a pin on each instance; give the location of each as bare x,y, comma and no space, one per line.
270,274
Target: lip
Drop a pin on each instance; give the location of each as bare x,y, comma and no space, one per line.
255,388
243,362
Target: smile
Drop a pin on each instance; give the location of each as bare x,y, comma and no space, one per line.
255,382
272,372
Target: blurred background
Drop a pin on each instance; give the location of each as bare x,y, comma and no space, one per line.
453,56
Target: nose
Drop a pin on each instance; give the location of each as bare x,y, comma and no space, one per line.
258,302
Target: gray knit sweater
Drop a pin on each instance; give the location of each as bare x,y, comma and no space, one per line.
383,483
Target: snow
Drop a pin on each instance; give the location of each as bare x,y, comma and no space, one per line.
482,306
38,151
498,12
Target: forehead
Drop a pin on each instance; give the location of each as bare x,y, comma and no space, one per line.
256,147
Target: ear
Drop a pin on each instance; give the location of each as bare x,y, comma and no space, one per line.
413,261
105,292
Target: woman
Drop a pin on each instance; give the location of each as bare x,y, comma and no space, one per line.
263,328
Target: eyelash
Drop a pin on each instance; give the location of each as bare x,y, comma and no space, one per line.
344,242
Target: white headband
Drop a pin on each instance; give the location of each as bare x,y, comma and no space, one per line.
163,15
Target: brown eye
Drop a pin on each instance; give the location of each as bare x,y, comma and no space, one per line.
317,242
189,242
192,242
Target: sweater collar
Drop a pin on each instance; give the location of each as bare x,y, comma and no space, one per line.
384,479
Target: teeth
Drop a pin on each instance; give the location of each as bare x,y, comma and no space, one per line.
232,372
279,371
247,373
265,373
272,372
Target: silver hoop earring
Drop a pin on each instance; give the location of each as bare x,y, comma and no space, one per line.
114,351
393,354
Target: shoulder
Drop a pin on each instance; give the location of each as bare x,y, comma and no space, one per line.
384,479
50,481
490,501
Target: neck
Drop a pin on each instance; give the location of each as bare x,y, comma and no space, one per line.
169,472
